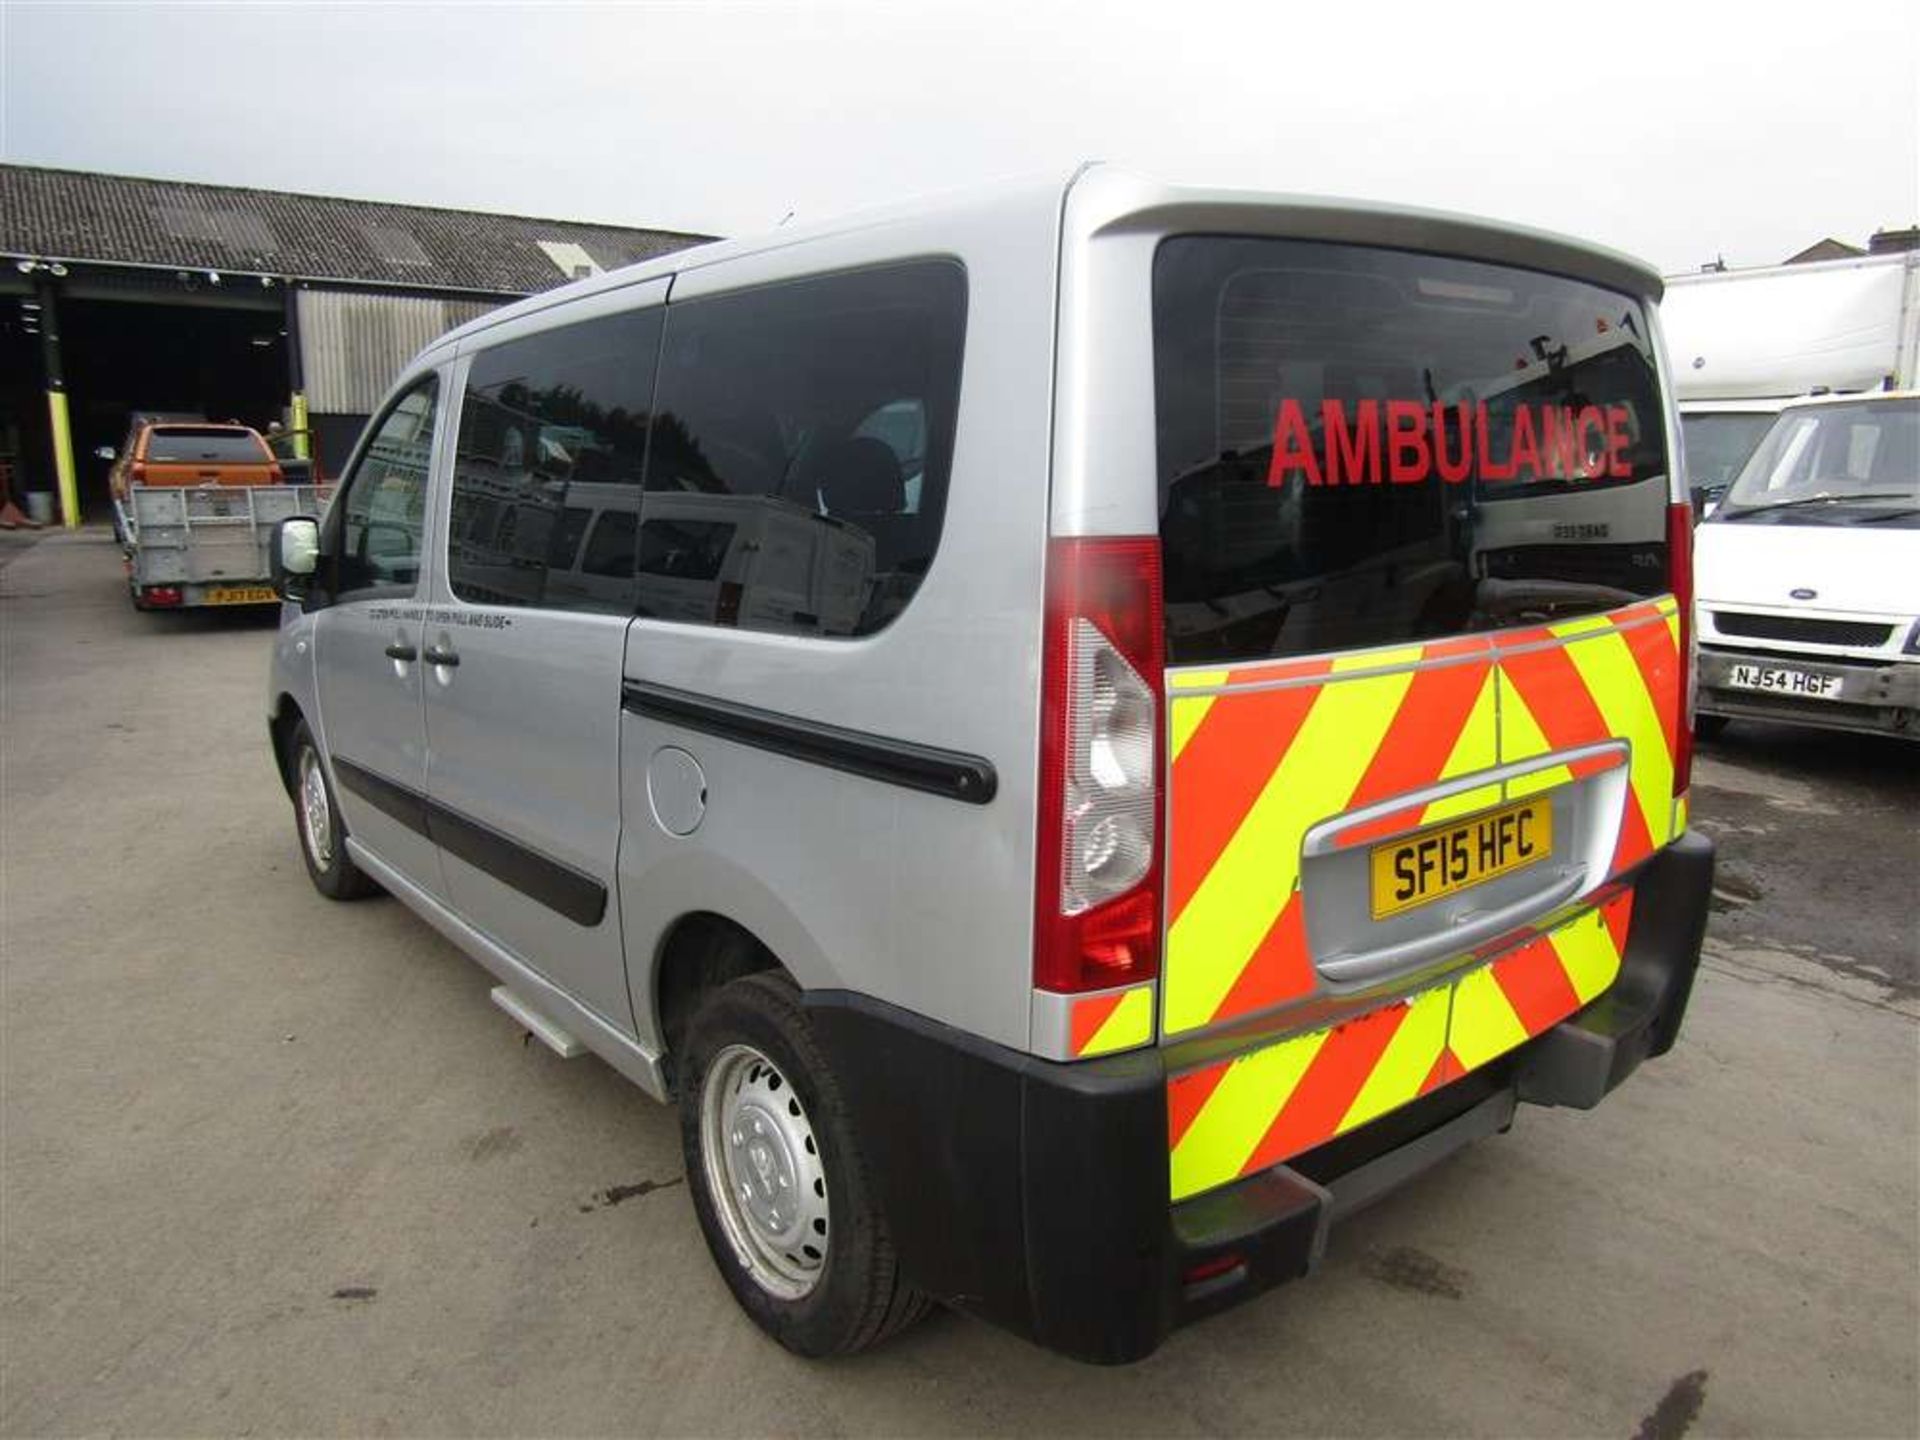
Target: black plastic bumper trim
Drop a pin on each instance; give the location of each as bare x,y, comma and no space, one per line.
1035,1194
950,773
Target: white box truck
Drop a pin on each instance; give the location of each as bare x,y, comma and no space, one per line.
1744,342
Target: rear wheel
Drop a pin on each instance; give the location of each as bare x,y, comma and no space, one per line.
778,1182
323,834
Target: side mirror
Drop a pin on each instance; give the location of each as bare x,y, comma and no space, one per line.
293,555
107,452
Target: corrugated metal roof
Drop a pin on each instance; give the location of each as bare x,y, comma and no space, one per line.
351,346
79,215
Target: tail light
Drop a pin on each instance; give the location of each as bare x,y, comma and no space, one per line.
276,476
1097,867
167,595
139,472
1680,580
726,604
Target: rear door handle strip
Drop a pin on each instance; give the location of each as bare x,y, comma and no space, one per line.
441,657
402,652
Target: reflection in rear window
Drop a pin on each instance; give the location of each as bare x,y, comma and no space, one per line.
197,445
1361,447
684,549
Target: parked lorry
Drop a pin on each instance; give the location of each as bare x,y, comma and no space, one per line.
1745,342
194,505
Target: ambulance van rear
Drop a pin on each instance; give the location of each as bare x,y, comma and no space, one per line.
1254,764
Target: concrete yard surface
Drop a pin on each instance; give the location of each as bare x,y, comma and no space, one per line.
274,1165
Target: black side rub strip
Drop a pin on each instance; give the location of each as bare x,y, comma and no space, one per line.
404,805
951,773
560,888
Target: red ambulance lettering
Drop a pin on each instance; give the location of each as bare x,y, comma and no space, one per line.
1355,447
1408,459
1454,472
1483,432
1593,451
1617,442
1353,455
1292,447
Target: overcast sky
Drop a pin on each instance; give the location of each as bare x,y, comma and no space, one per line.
1676,130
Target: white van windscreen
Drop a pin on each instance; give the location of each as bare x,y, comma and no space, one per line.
1362,447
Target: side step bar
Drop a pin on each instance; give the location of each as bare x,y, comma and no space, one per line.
539,1026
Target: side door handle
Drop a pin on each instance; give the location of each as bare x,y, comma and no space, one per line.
436,656
399,650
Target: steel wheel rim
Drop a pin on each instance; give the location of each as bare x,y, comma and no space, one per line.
763,1172
316,816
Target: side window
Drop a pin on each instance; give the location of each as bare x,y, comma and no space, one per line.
547,468
384,501
801,450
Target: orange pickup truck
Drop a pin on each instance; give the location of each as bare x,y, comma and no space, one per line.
181,454
194,506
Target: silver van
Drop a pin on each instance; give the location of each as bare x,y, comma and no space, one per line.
1079,732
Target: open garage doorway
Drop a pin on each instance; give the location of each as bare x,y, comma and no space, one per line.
25,450
223,361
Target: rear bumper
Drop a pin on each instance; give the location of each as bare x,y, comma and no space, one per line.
1879,699
1035,1194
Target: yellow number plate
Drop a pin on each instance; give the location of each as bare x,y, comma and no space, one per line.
1449,858
241,595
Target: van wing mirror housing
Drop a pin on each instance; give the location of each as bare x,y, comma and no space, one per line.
293,556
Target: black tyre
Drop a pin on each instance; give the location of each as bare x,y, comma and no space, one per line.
1708,727
778,1182
323,834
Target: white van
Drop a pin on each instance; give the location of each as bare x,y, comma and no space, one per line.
1106,732
1808,573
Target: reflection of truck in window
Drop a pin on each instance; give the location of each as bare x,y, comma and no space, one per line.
1576,523
752,560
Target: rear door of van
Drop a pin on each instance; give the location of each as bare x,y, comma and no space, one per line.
1424,672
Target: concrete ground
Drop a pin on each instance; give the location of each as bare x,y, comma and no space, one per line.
272,1165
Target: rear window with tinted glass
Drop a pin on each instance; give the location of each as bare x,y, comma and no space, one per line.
204,445
1360,447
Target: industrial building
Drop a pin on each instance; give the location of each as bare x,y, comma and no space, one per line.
120,294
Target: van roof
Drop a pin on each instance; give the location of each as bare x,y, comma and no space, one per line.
1097,198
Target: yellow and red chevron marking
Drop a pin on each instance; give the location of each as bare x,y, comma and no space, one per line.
1239,1116
1262,753
1101,1024
1593,679
1254,768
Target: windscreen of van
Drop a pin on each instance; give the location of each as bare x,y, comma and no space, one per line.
1362,447
1835,464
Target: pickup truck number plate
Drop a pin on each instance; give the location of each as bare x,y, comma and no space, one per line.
1784,681
241,595
1445,859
